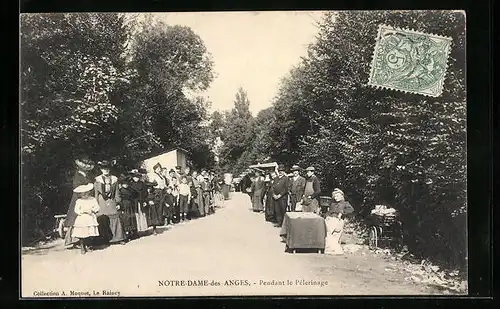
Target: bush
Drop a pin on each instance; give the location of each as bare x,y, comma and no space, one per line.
381,146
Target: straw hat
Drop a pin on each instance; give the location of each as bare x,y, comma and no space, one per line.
84,188
295,168
310,169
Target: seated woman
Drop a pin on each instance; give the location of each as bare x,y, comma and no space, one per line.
335,222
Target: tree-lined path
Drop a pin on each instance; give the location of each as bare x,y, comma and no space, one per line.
233,244
126,87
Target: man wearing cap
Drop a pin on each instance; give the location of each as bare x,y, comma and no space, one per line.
312,192
297,186
280,189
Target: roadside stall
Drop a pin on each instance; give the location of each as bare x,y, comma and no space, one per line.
303,231
265,167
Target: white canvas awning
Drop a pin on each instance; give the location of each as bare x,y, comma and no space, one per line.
264,166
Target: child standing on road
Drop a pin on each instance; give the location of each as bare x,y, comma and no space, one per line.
184,198
153,207
169,204
86,207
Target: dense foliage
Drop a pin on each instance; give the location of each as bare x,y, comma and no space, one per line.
100,84
104,86
380,146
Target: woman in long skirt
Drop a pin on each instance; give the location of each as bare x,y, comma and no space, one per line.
198,200
140,188
269,207
128,208
83,166
257,189
108,197
207,195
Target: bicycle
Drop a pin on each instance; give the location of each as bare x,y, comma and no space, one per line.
385,228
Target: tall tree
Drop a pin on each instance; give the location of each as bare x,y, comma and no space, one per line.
381,146
238,133
103,85
72,65
170,60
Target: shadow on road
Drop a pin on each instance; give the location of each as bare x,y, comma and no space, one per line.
43,249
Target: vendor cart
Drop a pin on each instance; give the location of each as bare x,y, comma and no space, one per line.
385,229
303,231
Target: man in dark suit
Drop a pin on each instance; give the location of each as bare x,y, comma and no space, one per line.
312,192
297,186
280,188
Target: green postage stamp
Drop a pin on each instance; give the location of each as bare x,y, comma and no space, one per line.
409,61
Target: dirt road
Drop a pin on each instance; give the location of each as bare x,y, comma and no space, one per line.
233,252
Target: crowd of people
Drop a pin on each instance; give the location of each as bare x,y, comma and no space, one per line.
276,193
107,209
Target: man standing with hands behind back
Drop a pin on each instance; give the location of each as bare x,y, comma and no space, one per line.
311,192
280,189
297,186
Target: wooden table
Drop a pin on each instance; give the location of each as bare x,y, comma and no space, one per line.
304,231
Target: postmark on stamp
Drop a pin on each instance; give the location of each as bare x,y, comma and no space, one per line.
409,61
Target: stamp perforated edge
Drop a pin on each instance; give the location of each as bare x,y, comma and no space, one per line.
375,51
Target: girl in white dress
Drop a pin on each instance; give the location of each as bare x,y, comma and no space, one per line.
86,207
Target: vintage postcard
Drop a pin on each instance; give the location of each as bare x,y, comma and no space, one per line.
276,153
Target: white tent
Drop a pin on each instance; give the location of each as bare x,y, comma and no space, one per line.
169,160
265,166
